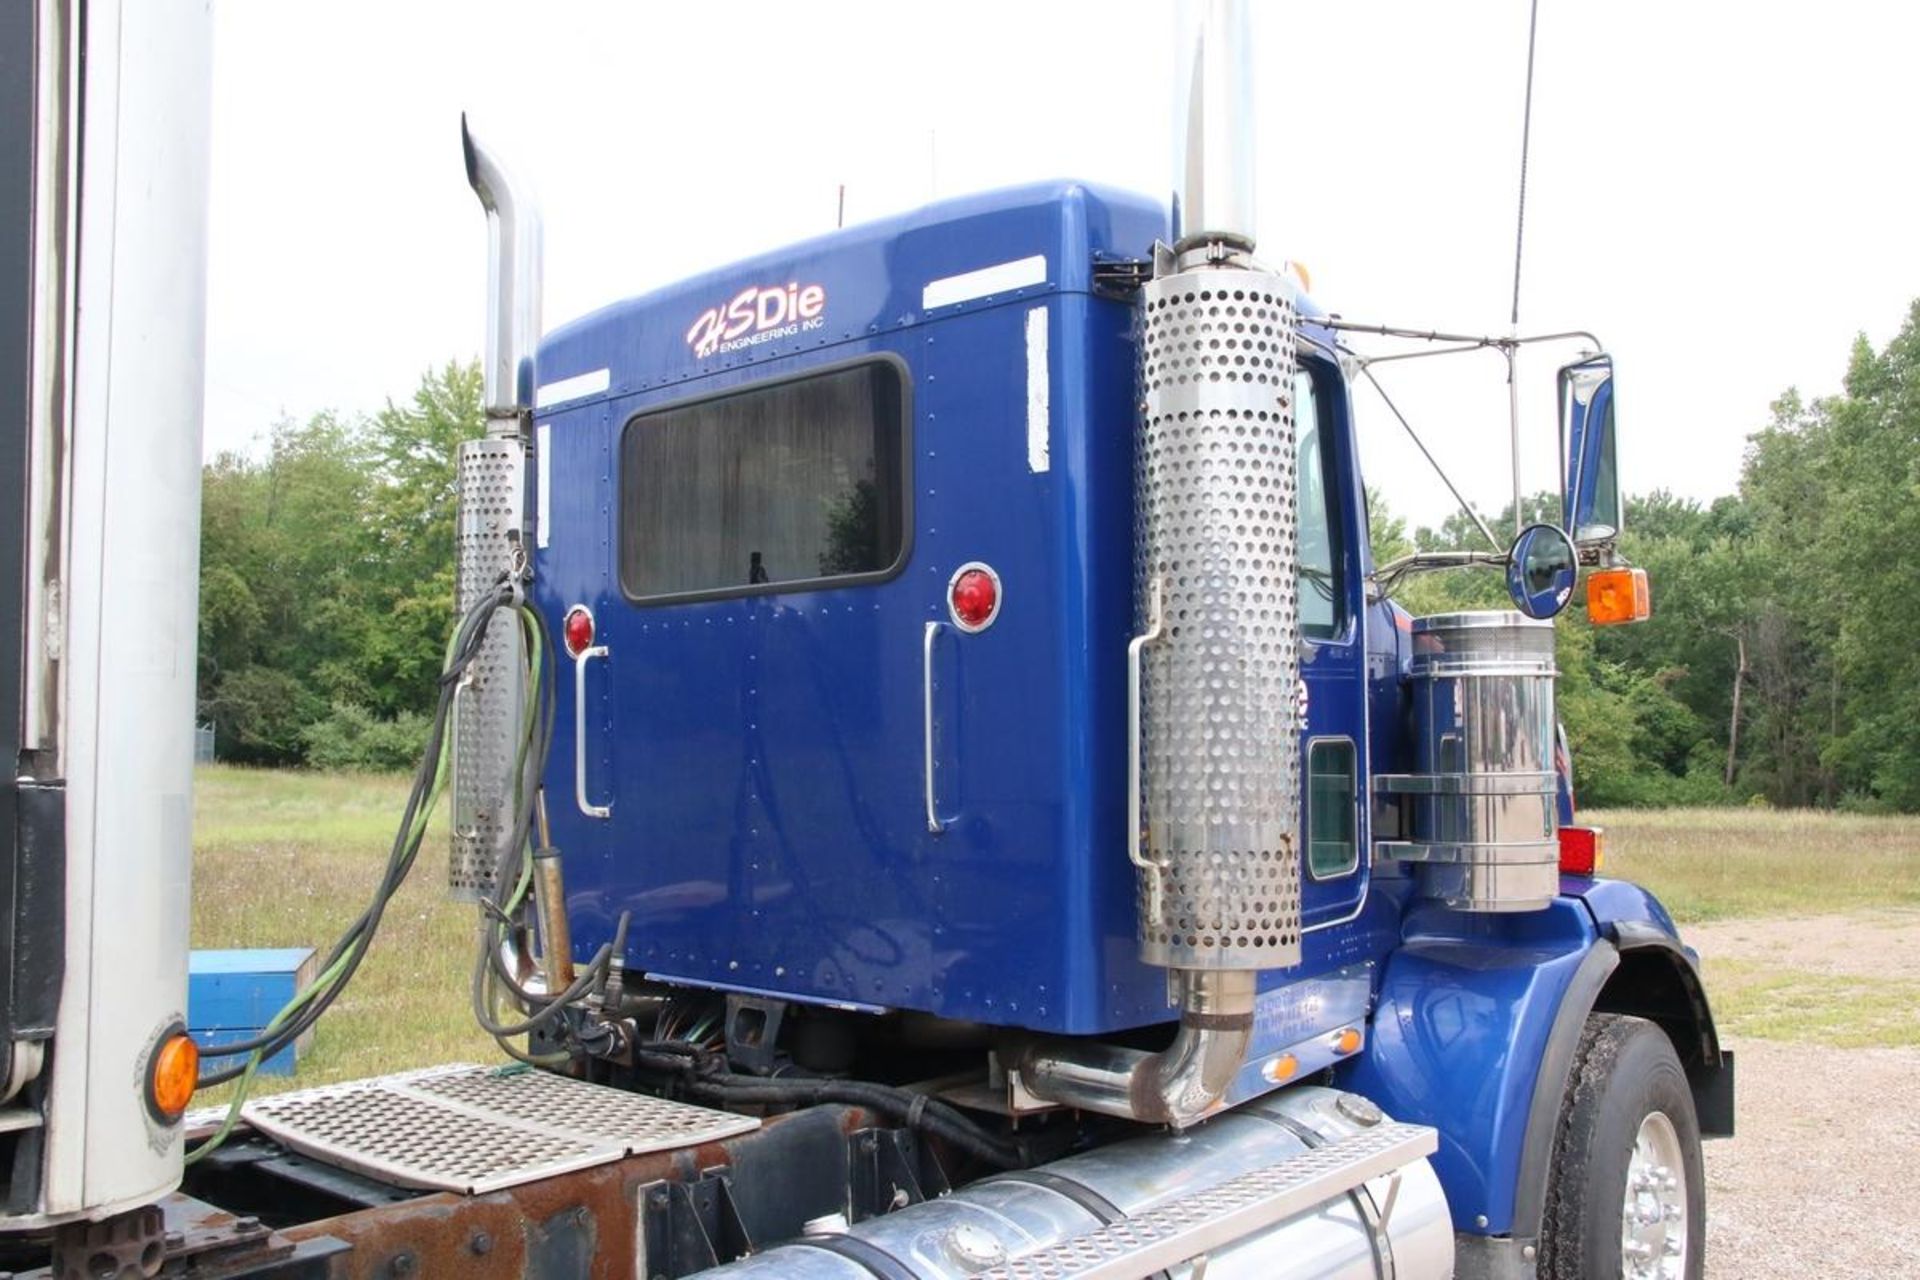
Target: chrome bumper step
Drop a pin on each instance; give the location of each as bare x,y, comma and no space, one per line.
1185,1229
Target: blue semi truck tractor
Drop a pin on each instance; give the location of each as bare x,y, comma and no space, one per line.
950,793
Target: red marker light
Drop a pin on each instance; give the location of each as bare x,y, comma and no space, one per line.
577,630
974,597
1582,850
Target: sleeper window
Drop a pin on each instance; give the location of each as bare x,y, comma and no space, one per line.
787,482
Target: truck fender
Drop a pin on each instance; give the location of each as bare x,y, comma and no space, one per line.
1638,967
1474,1032
1659,979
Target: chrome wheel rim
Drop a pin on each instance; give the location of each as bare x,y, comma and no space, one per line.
1654,1221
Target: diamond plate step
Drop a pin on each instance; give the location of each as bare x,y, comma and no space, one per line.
475,1129
1179,1230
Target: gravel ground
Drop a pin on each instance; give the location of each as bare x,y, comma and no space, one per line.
1820,1180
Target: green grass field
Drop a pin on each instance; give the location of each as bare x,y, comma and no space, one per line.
1722,864
288,859
284,859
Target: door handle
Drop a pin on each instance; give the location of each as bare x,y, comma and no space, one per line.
934,823
580,661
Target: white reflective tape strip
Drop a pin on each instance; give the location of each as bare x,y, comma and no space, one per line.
1039,405
998,278
542,481
581,384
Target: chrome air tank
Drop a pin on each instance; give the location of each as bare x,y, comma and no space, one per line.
1217,556
1394,1224
1485,823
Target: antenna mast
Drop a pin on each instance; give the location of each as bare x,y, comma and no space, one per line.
1519,236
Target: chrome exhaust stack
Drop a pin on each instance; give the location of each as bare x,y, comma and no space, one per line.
493,531
513,286
1215,669
1213,197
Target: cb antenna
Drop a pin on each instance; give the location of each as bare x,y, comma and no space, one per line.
1512,350
1526,135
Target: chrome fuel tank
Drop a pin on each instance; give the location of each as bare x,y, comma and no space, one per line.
1395,1224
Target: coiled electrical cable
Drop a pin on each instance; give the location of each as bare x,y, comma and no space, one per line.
344,959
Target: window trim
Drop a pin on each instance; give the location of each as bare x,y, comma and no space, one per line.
1306,825
903,374
1342,632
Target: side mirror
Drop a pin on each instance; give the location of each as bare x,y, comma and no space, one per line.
1541,568
1590,506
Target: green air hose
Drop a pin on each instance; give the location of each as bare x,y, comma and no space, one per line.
430,783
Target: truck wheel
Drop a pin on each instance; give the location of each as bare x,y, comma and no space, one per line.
1627,1193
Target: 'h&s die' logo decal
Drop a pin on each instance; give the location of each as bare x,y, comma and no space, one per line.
758,313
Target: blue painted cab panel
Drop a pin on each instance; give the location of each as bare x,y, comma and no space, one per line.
763,755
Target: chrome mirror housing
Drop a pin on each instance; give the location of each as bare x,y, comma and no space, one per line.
1590,506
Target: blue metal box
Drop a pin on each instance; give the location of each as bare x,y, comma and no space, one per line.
233,994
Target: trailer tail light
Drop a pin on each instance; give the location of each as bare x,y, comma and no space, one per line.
1582,850
1615,596
973,597
577,630
173,1073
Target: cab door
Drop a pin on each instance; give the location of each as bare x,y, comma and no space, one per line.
1333,758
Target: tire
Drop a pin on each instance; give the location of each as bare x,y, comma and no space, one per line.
1624,1077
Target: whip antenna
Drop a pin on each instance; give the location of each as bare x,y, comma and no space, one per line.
1526,135
1511,350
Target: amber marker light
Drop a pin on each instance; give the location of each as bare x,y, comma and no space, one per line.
172,1075
1347,1041
1615,596
1281,1069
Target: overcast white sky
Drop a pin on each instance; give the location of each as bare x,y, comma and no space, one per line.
1723,191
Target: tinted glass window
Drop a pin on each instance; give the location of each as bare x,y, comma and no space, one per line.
792,481
1332,847
1320,579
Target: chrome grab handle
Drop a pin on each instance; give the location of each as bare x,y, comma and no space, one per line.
1155,630
934,824
580,661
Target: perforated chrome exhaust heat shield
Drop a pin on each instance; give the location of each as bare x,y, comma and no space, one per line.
490,705
1217,522
1215,718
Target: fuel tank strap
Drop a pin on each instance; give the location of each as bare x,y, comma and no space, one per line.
1187,1226
1361,1197
862,1253
1105,1211
1086,1197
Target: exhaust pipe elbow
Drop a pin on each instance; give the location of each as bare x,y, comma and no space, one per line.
1179,1086
513,284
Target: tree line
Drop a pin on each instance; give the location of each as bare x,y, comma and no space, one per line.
326,581
1779,665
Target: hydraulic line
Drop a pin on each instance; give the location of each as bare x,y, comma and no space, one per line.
703,1077
430,780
